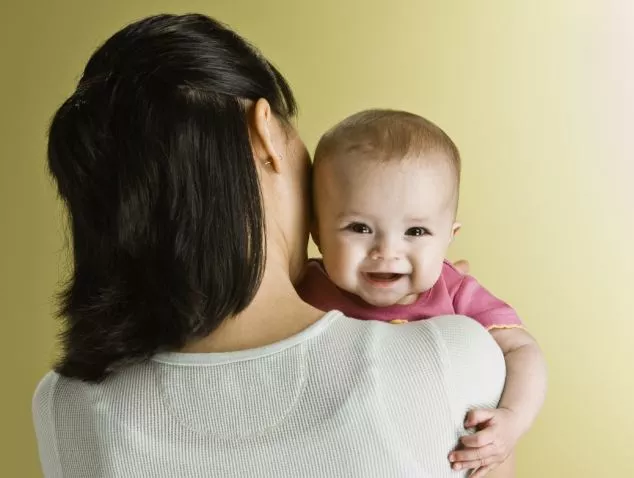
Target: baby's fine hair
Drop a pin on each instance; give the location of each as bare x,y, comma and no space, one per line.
385,134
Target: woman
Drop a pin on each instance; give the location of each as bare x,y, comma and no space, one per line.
187,351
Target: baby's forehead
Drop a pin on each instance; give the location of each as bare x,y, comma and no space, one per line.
360,167
414,186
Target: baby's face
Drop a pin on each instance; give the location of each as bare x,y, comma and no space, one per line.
383,228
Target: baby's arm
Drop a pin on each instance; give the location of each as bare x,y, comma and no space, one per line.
498,430
525,388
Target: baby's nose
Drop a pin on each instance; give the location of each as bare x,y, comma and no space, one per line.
385,250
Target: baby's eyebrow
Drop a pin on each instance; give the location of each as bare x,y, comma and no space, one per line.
350,214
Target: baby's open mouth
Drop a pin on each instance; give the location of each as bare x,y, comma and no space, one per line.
383,276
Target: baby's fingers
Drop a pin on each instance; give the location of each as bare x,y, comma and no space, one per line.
478,416
480,439
471,458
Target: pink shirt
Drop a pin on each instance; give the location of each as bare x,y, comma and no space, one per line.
453,293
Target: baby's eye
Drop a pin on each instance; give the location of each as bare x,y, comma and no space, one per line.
417,231
359,228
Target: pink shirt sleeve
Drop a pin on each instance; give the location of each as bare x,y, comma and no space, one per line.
473,300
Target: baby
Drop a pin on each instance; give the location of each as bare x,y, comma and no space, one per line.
386,189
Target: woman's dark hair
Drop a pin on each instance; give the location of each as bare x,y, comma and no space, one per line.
151,155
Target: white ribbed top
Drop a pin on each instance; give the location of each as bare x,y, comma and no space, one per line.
343,398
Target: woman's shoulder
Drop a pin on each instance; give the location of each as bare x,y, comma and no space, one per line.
43,401
462,353
474,363
459,330
459,340
61,402
426,375
451,331
54,392
45,388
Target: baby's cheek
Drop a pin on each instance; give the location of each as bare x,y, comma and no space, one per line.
426,276
334,263
343,267
434,273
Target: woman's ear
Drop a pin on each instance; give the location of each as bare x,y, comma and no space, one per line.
264,132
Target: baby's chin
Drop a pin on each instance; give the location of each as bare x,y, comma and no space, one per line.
390,301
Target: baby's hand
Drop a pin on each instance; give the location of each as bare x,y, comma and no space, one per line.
491,445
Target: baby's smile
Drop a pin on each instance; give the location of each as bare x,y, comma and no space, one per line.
383,280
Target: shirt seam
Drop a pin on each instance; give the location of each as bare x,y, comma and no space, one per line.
189,425
450,382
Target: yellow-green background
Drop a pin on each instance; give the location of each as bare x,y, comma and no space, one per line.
538,95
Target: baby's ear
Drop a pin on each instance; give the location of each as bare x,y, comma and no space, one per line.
455,229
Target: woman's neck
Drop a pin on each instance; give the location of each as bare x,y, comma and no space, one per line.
275,313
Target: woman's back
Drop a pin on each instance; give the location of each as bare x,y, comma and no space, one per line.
342,398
